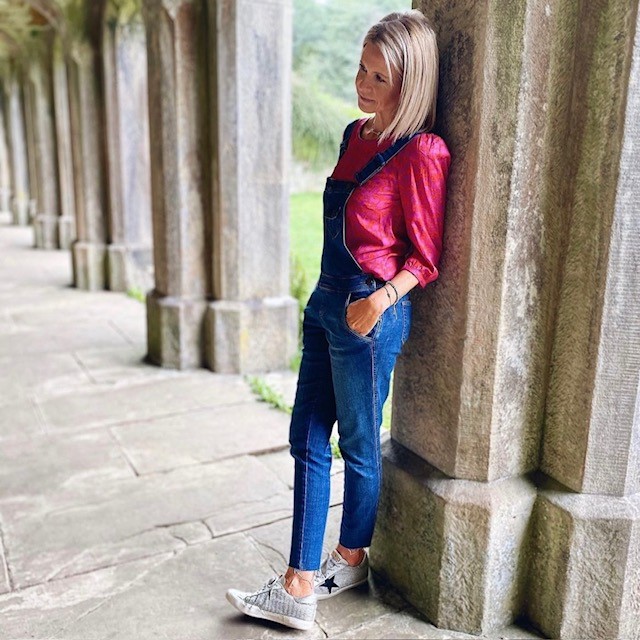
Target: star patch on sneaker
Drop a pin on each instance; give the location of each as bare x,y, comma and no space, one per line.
330,583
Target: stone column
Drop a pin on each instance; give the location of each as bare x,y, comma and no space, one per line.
46,162
468,405
252,325
85,103
511,335
67,219
30,131
178,104
5,157
127,119
585,573
18,148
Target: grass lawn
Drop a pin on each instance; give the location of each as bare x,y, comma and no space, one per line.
306,249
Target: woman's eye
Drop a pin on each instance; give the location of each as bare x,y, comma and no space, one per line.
379,79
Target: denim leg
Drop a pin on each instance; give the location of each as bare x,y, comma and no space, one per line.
361,374
312,420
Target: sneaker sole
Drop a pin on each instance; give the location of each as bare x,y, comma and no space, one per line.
257,612
324,596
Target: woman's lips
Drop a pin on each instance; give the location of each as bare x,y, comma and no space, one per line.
364,99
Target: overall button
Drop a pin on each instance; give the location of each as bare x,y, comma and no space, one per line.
370,280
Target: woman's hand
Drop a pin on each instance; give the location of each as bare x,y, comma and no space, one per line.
363,314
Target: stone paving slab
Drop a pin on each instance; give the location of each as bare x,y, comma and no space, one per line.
203,436
60,337
141,400
38,374
20,421
49,538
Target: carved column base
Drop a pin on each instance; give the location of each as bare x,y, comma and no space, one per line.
454,548
66,231
585,565
251,336
20,210
89,265
175,331
45,228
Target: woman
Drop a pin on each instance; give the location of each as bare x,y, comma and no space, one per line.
383,221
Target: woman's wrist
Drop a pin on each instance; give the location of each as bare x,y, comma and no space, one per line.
381,299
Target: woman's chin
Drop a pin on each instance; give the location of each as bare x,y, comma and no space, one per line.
366,107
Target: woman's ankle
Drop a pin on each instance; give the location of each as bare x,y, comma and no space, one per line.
298,583
352,556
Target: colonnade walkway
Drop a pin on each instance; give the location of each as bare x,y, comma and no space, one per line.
131,496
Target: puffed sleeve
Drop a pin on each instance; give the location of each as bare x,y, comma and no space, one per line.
423,186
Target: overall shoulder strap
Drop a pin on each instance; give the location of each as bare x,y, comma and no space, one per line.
345,137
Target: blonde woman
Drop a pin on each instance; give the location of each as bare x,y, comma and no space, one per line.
383,221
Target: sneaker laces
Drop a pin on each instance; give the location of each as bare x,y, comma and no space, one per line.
268,587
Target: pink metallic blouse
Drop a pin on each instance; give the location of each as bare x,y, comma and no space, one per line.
395,220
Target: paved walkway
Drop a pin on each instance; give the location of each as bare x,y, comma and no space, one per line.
132,497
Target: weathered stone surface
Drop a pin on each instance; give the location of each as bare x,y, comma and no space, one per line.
468,574
20,421
477,414
592,424
36,373
252,326
139,401
129,518
66,219
175,331
584,578
60,337
202,436
6,179
89,250
16,136
125,72
179,144
44,147
67,470
254,336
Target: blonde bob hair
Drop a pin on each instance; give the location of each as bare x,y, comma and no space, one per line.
408,45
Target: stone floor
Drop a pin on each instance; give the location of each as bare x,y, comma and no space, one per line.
132,497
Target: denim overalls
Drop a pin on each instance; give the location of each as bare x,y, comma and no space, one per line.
343,376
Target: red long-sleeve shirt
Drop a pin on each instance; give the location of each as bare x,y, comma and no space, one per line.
395,220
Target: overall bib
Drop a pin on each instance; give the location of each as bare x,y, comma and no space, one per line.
344,376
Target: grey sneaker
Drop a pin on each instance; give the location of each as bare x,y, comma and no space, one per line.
273,602
335,575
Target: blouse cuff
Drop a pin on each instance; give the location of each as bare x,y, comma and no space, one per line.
424,274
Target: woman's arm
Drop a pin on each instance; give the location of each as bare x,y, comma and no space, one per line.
362,315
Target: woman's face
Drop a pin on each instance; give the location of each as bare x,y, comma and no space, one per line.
373,85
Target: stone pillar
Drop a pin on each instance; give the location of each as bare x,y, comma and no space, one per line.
178,105
46,162
467,401
67,219
30,131
252,325
5,157
18,148
516,334
85,102
127,118
585,571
